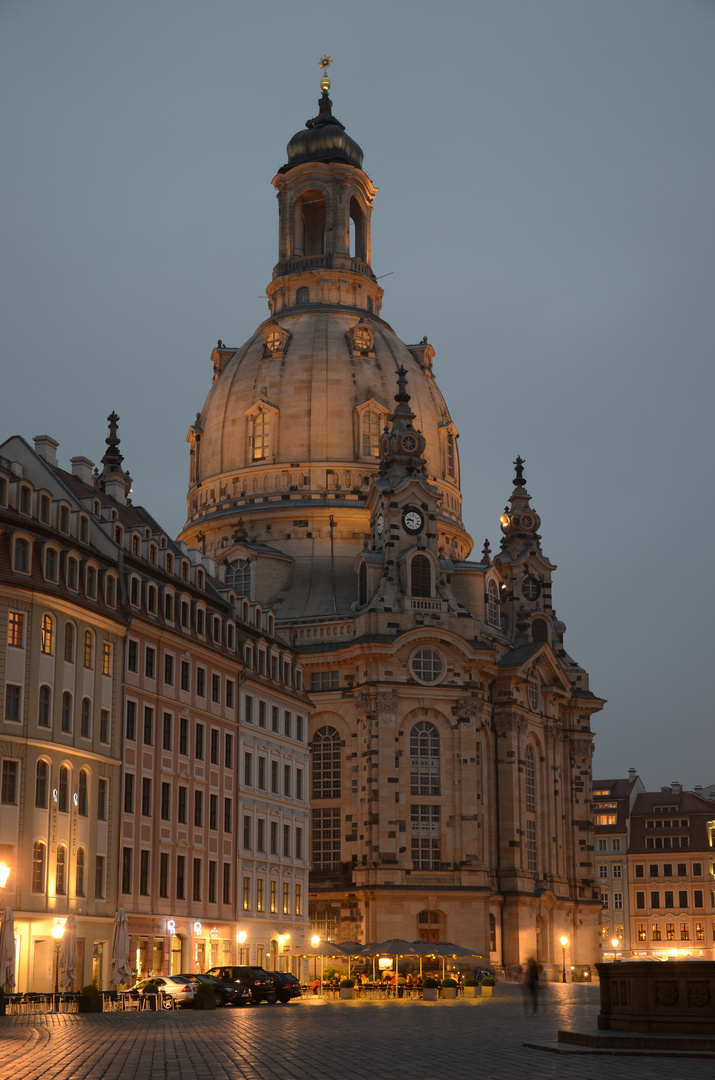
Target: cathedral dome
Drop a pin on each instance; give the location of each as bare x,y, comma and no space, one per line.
324,138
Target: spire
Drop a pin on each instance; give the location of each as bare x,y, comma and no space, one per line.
326,138
402,445
113,480
519,520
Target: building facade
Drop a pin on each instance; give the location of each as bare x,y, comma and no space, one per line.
123,660
612,805
451,743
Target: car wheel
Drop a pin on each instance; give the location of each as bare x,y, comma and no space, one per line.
272,999
167,1003
219,1000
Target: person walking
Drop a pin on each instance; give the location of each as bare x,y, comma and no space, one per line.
531,986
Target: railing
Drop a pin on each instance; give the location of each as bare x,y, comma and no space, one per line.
415,603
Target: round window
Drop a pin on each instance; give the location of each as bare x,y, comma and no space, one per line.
426,665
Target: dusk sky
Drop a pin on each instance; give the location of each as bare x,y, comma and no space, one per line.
546,215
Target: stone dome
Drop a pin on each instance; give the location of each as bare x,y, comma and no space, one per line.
324,138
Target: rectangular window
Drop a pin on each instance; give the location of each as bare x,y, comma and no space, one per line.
169,670
617,871
274,838
261,714
185,675
260,835
148,726
15,629
201,682
99,877
653,869
247,894
700,931
655,900
685,931
603,871
165,801
213,811
12,702
287,724
682,898
212,881
640,870
228,751
164,874
274,777
286,780
299,728
214,747
261,774
274,896
425,837
641,931
184,735
227,883
102,799
144,873
697,869
260,885
106,658
698,898
670,931
199,741
198,808
324,680
286,840
216,689
227,815
286,898
180,876
128,793
181,814
149,662
104,726
668,900
247,769
196,892
229,693
326,839
247,831
166,736
667,870
299,899
655,932
133,656
126,870
618,901
605,900
275,714
248,710
298,843
299,784
146,797
131,724
8,787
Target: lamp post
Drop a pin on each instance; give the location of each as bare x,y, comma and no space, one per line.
614,943
564,943
315,941
240,938
57,932
4,874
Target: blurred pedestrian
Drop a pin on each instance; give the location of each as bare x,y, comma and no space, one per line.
531,986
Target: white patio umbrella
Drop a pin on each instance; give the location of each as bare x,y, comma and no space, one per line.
7,950
68,955
120,972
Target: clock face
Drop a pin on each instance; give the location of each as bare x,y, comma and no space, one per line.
412,519
380,525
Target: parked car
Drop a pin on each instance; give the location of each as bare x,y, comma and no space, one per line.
257,978
287,986
225,993
177,988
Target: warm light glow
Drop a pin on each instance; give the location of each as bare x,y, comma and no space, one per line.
504,521
315,940
614,942
241,937
564,942
57,931
4,875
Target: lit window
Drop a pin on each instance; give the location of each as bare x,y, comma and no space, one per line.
106,658
492,604
15,629
260,438
88,648
370,434
38,867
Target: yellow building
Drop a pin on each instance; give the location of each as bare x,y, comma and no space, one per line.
451,743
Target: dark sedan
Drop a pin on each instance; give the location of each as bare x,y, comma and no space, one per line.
262,988
287,986
225,993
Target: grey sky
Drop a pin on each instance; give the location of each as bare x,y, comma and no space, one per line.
546,172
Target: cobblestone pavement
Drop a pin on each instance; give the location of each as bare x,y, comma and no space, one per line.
316,1040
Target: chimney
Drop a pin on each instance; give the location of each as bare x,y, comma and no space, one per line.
82,469
46,448
632,774
676,788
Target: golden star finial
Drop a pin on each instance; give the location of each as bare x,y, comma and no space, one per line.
324,63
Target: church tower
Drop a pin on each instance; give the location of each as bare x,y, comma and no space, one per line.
450,743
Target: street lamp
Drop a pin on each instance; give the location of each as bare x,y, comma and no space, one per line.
564,943
57,932
240,938
4,875
315,941
614,943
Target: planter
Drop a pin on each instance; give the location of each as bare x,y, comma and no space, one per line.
487,991
429,993
204,1001
449,992
93,1004
470,991
346,993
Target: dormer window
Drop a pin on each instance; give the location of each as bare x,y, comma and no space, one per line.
361,340
25,500
45,505
21,556
169,563
97,508
64,519
200,578
260,436
84,530
136,544
275,341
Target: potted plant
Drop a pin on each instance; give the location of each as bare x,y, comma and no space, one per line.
488,986
90,1000
470,988
429,989
151,989
449,988
346,989
204,996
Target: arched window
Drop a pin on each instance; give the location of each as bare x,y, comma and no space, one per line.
21,561
358,247
69,643
420,576
48,634
362,585
424,759
370,434
238,577
492,933
88,648
539,630
79,873
260,436
61,871
169,606
451,456
309,217
44,707
41,784
64,790
86,721
82,794
325,751
302,295
66,722
72,575
38,866
492,604
530,806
